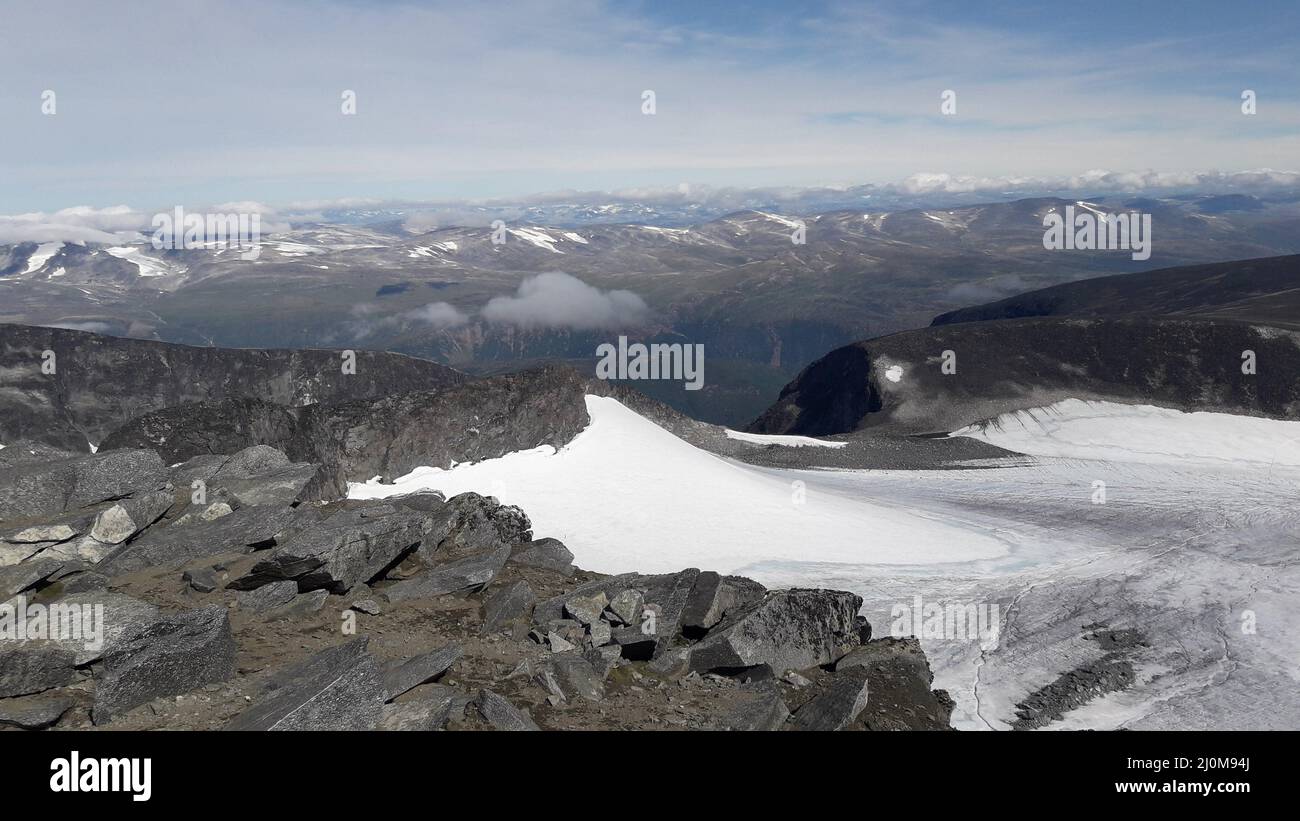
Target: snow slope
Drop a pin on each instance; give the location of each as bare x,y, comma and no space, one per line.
627,495
1142,433
1195,539
783,440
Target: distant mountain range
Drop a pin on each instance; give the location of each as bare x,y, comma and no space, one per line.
761,304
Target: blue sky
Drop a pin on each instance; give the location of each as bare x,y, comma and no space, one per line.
187,102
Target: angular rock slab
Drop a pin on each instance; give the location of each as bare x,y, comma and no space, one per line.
715,596
341,551
166,657
421,715
503,715
787,630
32,666
547,554
576,676
34,712
514,603
46,488
757,710
837,706
464,575
415,671
337,689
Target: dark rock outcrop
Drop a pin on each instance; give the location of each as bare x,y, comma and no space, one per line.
896,384
101,382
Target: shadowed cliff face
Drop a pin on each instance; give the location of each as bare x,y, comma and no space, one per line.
896,384
387,437
100,382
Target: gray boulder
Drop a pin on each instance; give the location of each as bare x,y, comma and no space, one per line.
129,516
464,575
32,666
241,531
337,689
757,709
46,488
787,630
14,579
300,606
586,609
34,712
837,706
501,714
342,550
420,715
547,554
266,597
399,678
714,596
576,676
626,606
169,656
512,604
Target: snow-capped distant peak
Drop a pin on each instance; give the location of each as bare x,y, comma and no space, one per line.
537,237
42,255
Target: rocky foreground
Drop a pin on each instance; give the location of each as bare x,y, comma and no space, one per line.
230,599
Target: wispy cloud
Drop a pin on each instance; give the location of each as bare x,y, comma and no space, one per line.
547,95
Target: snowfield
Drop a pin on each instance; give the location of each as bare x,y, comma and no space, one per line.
627,495
1142,433
782,440
1192,545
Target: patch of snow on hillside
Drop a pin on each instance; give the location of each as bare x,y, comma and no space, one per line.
779,439
1078,429
539,238
628,495
42,255
146,266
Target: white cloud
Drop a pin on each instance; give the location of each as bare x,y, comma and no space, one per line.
558,300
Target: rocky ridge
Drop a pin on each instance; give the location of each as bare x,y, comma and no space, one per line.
230,602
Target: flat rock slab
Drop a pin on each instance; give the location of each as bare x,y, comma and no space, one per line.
413,672
514,603
432,712
837,705
267,597
19,577
32,666
343,550
337,689
460,576
46,488
34,712
503,715
176,545
166,657
757,710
